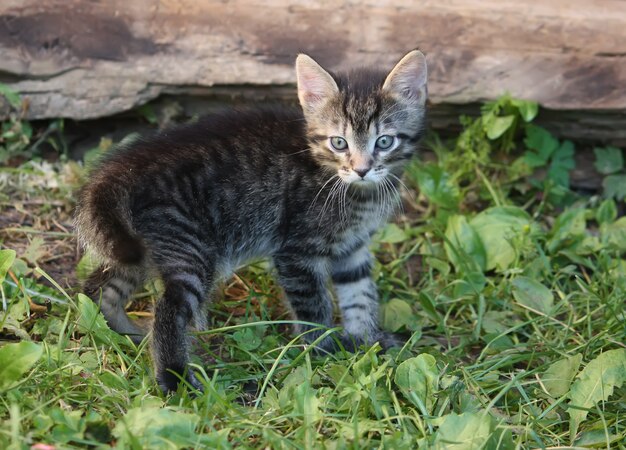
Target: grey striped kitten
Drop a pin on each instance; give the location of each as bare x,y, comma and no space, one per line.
309,190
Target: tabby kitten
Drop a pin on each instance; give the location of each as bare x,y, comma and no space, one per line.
307,189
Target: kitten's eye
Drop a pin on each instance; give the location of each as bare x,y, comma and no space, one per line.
338,143
384,142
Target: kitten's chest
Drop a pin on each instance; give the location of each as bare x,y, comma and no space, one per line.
367,215
360,222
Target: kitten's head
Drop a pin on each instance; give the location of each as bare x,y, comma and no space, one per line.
362,124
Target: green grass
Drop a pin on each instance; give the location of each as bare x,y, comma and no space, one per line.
510,285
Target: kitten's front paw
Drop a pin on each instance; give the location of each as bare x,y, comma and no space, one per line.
352,344
337,342
385,339
169,381
388,340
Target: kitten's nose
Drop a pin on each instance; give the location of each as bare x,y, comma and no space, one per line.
362,172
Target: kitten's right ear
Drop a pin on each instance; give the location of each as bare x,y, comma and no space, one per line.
407,80
315,85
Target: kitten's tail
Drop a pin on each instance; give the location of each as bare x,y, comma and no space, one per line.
103,224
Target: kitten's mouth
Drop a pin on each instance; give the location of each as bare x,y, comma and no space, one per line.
364,184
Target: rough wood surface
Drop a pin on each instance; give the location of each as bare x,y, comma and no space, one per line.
88,58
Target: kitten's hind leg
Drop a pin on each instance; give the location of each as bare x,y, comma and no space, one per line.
186,289
111,288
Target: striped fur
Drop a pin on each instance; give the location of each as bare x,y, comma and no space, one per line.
192,203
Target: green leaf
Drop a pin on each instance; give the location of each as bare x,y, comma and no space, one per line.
496,322
154,427
540,140
608,160
562,163
564,155
26,130
436,185
91,322
6,261
89,319
396,314
472,283
87,264
429,306
532,294
306,403
606,212
438,264
12,96
569,228
467,431
615,186
391,234
527,109
533,159
463,246
497,126
247,339
559,176
16,360
68,425
595,383
418,379
614,234
558,378
597,439
298,377
500,228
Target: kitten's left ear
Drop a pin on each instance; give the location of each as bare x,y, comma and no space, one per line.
315,85
407,81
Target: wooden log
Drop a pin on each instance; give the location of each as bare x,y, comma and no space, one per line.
87,59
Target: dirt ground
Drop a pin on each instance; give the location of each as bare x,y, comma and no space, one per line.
40,233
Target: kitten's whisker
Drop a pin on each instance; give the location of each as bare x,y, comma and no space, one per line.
340,204
401,182
399,194
308,149
380,191
397,199
343,210
320,191
383,203
345,201
389,207
328,203
340,197
326,200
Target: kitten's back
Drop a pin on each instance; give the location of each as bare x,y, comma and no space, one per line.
231,133
225,146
